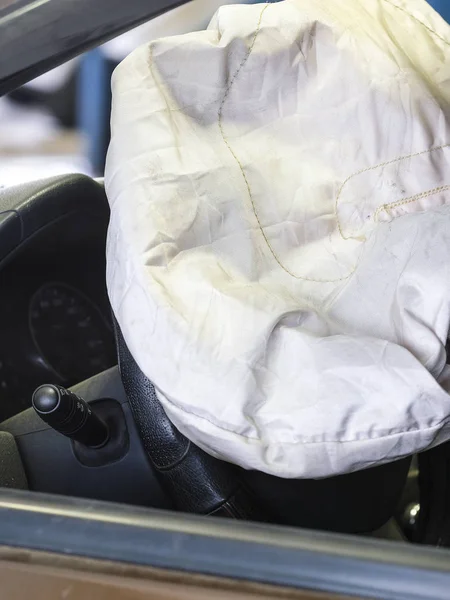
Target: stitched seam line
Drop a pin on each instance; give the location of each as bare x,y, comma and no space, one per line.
387,207
247,184
413,198
384,164
418,21
242,170
360,172
156,79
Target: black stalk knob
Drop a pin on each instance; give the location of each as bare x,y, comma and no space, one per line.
70,415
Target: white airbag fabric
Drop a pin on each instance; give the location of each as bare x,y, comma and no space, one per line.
279,246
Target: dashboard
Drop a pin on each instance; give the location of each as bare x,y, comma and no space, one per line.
55,317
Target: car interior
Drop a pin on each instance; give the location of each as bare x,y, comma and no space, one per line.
80,420
58,329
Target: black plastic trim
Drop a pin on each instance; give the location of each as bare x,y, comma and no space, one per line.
28,209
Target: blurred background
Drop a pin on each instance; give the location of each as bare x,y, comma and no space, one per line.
59,122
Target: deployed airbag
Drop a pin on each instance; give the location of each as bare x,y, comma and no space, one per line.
279,245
